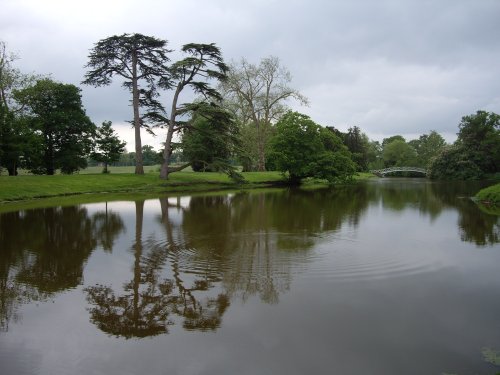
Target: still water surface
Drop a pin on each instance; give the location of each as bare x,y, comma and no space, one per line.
393,276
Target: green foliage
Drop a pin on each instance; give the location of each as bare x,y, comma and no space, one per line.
357,143
61,132
388,140
137,59
476,152
303,149
11,140
257,95
204,62
453,163
251,140
374,155
398,153
210,140
479,136
14,136
427,146
108,146
150,156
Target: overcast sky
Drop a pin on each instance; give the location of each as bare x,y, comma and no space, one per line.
388,66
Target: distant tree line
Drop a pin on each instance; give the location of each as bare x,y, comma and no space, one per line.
239,118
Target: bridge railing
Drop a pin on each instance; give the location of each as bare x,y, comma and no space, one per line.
384,171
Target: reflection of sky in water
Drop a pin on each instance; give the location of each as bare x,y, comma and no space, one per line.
388,288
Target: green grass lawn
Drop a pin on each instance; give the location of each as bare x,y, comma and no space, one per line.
28,186
91,185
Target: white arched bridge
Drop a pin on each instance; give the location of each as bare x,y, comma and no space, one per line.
383,172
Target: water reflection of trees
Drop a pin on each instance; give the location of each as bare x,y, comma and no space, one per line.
431,198
149,302
213,249
44,250
216,248
259,237
474,225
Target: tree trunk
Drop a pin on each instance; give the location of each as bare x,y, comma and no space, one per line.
49,157
261,142
139,169
12,169
170,133
139,214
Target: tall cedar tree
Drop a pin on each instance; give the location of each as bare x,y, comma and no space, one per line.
203,63
108,146
135,58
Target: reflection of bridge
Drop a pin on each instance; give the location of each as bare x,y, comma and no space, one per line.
383,172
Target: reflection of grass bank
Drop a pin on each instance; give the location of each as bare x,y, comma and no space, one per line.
490,195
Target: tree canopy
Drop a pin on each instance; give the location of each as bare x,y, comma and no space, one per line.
108,146
210,140
61,132
257,94
476,152
202,64
135,58
301,148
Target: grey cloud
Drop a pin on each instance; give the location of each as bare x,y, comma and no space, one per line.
390,67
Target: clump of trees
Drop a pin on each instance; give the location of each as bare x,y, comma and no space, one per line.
238,115
476,152
257,96
301,148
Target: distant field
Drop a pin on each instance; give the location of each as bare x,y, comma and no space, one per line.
130,169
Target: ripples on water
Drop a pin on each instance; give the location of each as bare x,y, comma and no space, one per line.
383,278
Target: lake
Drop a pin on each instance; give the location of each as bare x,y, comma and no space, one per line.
390,276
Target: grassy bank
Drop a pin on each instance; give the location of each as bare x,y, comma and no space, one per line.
490,195
30,187
30,191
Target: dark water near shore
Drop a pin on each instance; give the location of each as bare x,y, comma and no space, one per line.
392,276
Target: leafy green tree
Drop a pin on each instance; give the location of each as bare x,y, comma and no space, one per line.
135,58
11,141
204,62
479,136
476,151
150,156
303,149
358,144
209,142
374,155
108,146
398,153
388,140
13,135
257,95
62,132
427,146
452,163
